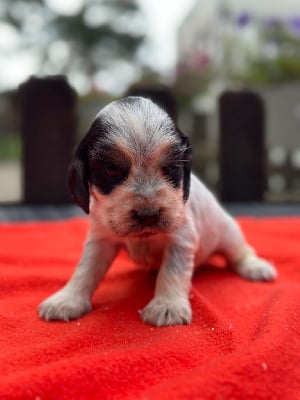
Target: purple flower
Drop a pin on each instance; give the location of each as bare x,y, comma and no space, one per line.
243,19
294,23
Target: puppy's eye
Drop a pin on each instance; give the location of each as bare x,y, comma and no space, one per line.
173,173
106,176
171,169
113,171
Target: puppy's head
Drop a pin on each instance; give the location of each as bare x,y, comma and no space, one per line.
131,171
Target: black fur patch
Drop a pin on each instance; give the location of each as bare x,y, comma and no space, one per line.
186,159
79,168
108,168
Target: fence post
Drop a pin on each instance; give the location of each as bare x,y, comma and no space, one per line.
159,94
242,147
48,109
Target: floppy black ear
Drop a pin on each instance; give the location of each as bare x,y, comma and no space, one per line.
78,183
187,166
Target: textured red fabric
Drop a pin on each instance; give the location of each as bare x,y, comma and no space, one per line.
243,342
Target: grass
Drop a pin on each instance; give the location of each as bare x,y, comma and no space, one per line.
10,147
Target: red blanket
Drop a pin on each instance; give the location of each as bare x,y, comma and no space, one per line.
243,342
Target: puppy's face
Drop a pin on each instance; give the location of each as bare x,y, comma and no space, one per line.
131,172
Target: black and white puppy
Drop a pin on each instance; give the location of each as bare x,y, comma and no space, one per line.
131,173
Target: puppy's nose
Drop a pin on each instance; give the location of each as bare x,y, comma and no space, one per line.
146,216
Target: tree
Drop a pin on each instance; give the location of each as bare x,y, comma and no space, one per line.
90,40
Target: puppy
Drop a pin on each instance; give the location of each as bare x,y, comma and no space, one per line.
132,174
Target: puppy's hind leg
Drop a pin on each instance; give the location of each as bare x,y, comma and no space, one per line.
242,258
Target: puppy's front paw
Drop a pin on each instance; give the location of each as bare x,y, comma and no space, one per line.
64,306
256,269
164,311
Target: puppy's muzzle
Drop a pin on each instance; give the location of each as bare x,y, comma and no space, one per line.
147,217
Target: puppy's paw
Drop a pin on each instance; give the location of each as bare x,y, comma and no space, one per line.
64,306
163,311
256,269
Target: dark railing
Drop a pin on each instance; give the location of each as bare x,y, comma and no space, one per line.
48,109
242,147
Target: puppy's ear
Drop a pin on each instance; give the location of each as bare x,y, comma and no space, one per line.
78,183
187,166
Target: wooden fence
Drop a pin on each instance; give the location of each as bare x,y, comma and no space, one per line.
49,123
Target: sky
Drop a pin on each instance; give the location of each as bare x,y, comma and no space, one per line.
163,19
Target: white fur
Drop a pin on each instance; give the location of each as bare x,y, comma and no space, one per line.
191,232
